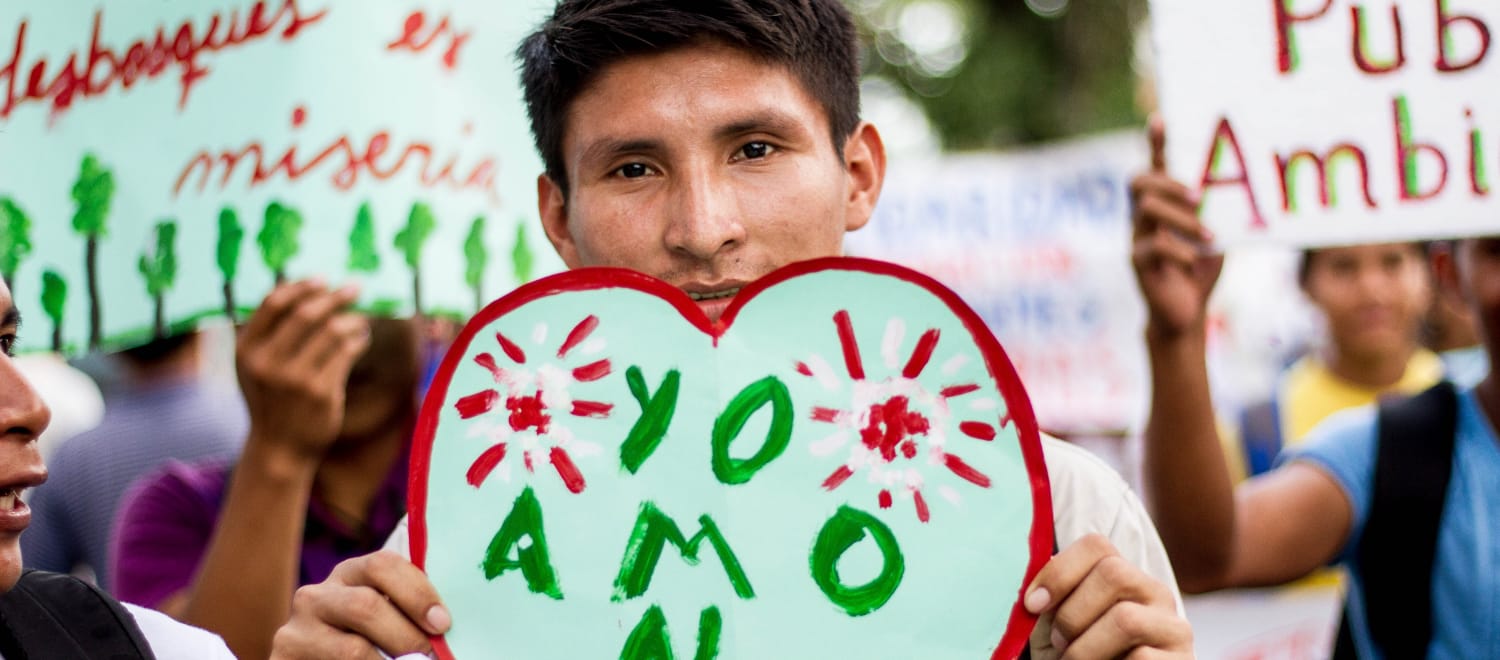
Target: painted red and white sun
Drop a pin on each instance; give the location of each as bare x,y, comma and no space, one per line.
899,429
517,415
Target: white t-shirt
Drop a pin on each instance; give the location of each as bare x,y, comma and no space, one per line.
1088,497
171,639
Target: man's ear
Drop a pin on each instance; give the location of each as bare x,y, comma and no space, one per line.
864,164
551,205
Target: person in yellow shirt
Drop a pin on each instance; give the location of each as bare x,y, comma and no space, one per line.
1373,299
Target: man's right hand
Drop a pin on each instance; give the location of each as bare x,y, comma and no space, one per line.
293,359
1172,249
378,603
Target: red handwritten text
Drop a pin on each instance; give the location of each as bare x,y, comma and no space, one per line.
344,160
412,38
102,67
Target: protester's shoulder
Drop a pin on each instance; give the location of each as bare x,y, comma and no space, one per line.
182,483
1075,471
173,640
1344,436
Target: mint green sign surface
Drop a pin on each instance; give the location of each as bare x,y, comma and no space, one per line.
844,467
165,162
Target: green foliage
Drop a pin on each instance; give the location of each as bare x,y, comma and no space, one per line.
522,260
363,255
1022,77
159,266
15,236
476,255
54,295
278,236
93,191
231,235
419,225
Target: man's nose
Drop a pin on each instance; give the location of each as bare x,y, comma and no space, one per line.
23,414
705,216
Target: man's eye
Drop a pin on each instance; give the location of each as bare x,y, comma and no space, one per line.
8,344
755,150
633,171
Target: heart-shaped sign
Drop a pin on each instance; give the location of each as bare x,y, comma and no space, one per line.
845,466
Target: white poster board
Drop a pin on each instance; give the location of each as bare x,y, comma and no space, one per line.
1323,122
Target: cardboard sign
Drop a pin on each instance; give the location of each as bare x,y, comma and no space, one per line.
165,162
1319,122
845,466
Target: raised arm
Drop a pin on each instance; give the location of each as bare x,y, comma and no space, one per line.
1277,527
293,357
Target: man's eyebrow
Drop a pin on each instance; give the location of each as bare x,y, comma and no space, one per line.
12,318
768,121
609,148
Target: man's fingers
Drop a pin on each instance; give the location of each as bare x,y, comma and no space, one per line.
275,305
1113,580
309,318
403,583
367,614
1160,211
1165,248
295,641
345,333
1129,625
1158,135
1065,571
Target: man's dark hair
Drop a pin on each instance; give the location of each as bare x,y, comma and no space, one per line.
814,39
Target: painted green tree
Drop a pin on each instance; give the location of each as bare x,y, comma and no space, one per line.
158,266
522,260
419,225
93,192
278,238
231,237
476,258
364,257
54,301
15,241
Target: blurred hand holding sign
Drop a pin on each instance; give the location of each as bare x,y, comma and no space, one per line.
1319,122
169,161
845,466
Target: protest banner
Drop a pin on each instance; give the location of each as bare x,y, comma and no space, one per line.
844,466
166,162
1324,122
1037,241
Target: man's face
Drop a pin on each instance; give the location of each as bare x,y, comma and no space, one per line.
1374,296
22,418
706,168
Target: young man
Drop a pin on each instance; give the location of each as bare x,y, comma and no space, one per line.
44,615
708,143
1314,508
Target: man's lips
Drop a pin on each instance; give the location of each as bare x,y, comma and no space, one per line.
713,299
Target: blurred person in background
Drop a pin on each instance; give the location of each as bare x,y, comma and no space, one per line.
332,402
1403,494
1373,300
161,409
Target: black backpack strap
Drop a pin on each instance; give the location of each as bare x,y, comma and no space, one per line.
1397,552
47,615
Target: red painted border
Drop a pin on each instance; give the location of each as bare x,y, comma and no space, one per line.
1018,404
